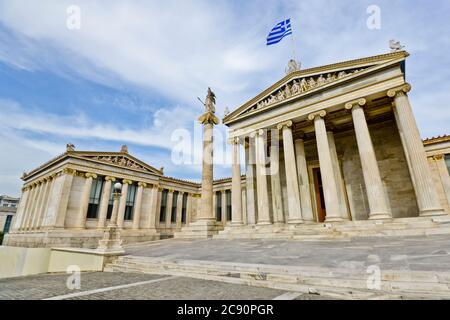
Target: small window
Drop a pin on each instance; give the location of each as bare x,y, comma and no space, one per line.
162,211
228,195
219,206
94,198
7,225
184,208
173,216
129,205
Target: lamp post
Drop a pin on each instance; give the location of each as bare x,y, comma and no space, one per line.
111,241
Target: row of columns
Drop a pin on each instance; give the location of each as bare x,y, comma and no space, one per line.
299,207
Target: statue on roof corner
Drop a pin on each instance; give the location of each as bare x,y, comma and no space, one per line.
292,66
395,45
70,147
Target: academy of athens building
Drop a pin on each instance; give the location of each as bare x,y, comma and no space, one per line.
334,145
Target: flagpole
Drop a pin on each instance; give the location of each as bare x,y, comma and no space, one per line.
293,45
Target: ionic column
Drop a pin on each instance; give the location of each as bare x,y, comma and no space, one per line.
326,168
443,174
378,203
424,188
303,181
63,195
138,205
153,207
123,202
169,209
104,202
293,192
275,181
43,207
261,179
24,200
244,206
236,187
32,204
340,187
26,210
206,207
223,206
179,209
82,212
250,186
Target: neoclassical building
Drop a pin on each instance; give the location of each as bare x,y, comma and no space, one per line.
333,144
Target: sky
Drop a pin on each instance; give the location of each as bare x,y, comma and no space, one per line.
131,73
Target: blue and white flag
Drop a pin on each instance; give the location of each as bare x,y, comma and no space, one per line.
279,32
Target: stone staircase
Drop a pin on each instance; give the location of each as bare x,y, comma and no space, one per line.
421,226
340,283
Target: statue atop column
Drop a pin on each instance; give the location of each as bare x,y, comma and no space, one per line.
210,109
292,66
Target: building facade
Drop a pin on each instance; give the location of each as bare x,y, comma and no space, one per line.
334,144
8,207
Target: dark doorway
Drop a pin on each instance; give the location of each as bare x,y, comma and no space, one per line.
320,199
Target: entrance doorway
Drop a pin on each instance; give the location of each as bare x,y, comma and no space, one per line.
320,200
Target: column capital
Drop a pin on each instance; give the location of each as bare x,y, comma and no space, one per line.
91,175
287,124
126,181
69,171
108,178
235,140
314,115
438,157
399,91
358,102
255,133
142,184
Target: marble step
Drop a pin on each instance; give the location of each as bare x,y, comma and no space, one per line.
397,282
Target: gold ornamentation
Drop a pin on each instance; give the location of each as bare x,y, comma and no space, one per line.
108,178
286,123
91,175
126,181
70,171
438,157
398,91
361,102
314,115
142,184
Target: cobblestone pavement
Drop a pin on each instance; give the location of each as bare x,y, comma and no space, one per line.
412,253
54,285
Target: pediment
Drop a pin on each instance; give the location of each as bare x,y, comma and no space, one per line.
301,82
118,159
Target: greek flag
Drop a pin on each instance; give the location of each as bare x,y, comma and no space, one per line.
279,32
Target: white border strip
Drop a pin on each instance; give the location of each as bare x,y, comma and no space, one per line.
86,293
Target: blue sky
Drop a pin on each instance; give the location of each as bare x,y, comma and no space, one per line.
133,72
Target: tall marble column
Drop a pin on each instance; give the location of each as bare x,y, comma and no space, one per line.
340,187
151,224
189,208
236,187
169,209
35,207
293,192
24,201
250,183
427,200
303,181
82,212
443,174
104,202
275,181
207,210
63,194
27,209
333,213
223,206
179,209
378,203
244,206
261,179
123,202
138,205
43,206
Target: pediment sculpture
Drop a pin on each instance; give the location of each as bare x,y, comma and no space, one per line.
298,86
120,161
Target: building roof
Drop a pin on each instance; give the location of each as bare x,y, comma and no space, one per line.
437,139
